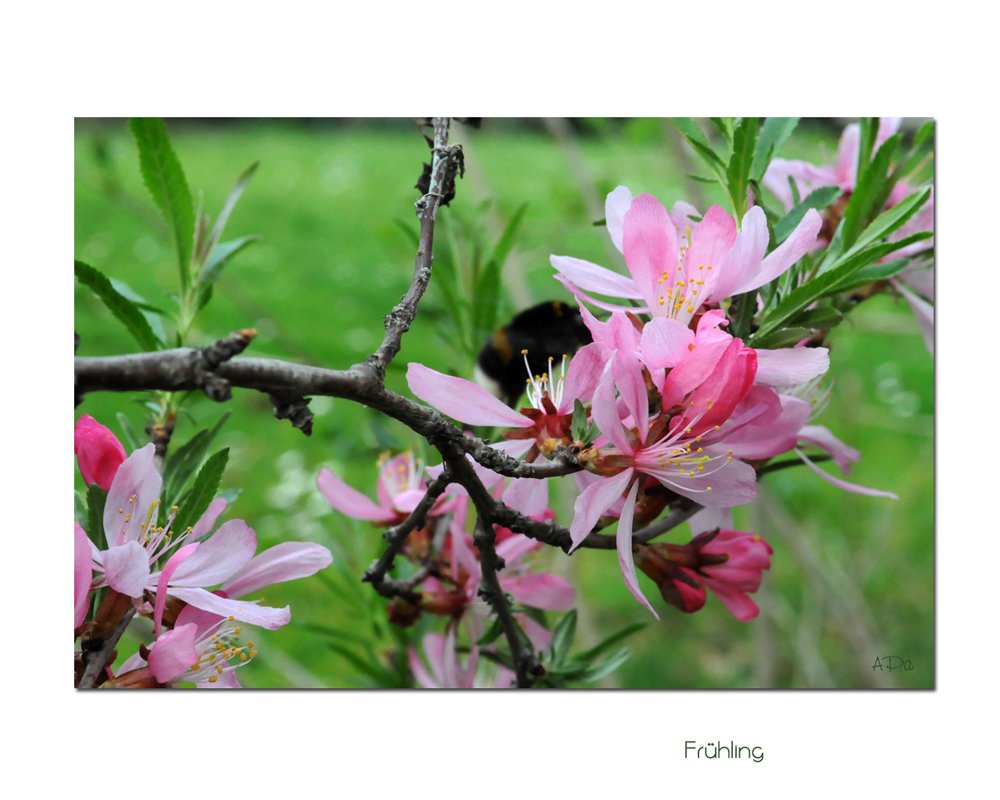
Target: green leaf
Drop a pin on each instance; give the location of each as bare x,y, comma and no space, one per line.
689,130
164,177
607,667
826,283
741,161
725,126
819,199
786,337
96,499
154,316
185,460
578,426
501,658
130,434
587,656
822,318
700,179
80,511
773,133
891,220
492,634
506,241
874,272
196,501
872,190
869,132
562,637
219,256
227,207
119,305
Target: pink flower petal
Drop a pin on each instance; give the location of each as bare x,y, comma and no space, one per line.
461,399
819,435
615,209
126,568
708,519
791,365
738,603
287,561
594,501
923,311
243,610
665,343
711,244
650,246
173,653
582,377
406,502
841,484
228,550
83,573
136,476
799,242
348,500
604,412
209,518
515,547
541,590
530,496
540,637
594,278
739,271
175,561
624,543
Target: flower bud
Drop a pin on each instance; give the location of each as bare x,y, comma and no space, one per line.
98,452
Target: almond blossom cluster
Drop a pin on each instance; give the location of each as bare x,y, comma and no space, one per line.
168,576
682,408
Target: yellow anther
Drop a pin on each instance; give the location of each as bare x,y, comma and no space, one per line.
243,656
709,488
237,631
213,678
756,537
218,668
253,654
249,644
231,618
194,666
524,352
729,458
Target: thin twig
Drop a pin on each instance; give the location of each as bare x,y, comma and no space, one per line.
97,662
395,536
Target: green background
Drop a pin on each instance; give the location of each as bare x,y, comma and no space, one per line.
852,576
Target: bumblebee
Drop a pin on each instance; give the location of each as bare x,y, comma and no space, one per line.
548,330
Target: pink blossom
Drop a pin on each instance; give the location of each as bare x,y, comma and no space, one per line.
536,431
202,648
809,177
98,452
227,558
684,450
728,562
401,487
446,671
675,272
82,575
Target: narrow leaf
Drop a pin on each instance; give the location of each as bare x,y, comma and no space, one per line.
201,493
819,199
578,426
562,637
874,272
786,337
773,134
227,208
133,439
492,634
185,460
822,318
164,177
587,656
741,161
96,498
607,667
119,305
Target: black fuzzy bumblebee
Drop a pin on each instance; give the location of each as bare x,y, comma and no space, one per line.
548,330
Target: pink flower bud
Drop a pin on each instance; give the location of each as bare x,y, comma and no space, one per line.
98,452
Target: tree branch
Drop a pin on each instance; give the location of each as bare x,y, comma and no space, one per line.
97,662
398,321
395,536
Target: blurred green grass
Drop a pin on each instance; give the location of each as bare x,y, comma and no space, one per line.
850,573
